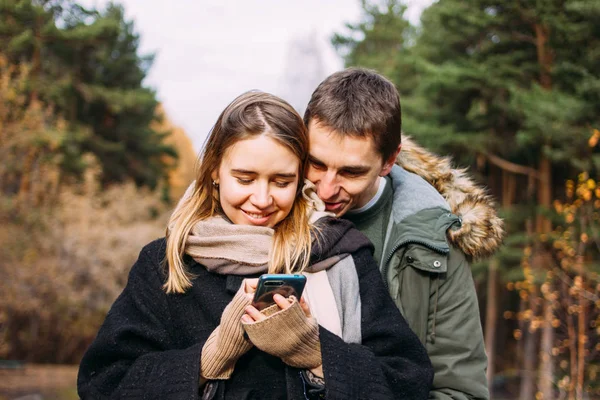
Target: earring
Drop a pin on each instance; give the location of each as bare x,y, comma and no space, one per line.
215,184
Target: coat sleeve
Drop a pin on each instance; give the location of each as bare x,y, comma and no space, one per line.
132,355
456,347
390,363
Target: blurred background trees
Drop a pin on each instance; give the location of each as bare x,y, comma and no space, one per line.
511,89
85,65
89,163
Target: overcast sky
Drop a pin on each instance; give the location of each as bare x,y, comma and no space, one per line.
210,51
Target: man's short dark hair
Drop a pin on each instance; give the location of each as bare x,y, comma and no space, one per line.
359,102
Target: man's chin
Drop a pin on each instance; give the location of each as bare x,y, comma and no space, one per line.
339,209
336,208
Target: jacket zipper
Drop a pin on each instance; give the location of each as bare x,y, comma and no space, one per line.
397,246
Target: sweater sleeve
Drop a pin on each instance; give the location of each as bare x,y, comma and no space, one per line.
390,363
132,355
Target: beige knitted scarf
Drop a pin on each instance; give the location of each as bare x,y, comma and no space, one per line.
230,249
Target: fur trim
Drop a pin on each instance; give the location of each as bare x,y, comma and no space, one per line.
482,230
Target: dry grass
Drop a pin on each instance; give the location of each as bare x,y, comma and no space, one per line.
65,248
64,265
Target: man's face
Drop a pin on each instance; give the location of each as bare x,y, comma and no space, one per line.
345,169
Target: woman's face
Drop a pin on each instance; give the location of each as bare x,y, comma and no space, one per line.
257,179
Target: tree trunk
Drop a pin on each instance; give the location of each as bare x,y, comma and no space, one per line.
581,339
527,391
542,258
545,383
544,195
572,335
544,54
529,333
491,315
543,224
509,185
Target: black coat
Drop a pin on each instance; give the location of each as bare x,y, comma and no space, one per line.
150,344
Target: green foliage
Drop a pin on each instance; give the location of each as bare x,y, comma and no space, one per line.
380,41
73,104
85,63
507,88
476,78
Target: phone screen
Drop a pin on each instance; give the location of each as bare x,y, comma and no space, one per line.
284,284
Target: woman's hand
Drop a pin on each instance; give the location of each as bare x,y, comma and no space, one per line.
253,315
285,330
227,343
250,285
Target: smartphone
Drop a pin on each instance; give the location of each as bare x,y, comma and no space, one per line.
283,284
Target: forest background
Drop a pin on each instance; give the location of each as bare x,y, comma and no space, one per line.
90,167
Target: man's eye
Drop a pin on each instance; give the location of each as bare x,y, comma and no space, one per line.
317,165
352,174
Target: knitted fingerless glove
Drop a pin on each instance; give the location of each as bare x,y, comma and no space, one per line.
287,334
226,344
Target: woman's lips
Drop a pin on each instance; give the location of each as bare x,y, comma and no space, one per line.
258,218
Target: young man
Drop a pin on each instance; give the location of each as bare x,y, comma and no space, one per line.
422,246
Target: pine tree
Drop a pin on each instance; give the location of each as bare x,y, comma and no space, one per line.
85,64
510,88
110,98
383,41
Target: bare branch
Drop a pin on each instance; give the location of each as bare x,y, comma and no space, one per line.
512,167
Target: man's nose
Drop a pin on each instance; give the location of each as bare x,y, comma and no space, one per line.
328,186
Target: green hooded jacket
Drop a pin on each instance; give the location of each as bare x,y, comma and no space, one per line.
425,264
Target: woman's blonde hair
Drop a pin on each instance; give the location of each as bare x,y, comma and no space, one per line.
251,114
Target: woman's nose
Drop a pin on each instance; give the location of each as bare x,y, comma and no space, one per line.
261,197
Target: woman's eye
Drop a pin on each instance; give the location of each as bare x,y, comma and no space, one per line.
282,184
244,181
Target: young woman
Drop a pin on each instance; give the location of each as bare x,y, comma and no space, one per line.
184,326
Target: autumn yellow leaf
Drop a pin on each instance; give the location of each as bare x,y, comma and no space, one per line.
593,140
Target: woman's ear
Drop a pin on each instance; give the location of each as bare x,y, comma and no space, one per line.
215,177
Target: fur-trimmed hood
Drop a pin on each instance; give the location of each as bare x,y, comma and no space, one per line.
482,231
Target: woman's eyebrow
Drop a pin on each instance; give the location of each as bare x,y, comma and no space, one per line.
243,171
290,176
248,172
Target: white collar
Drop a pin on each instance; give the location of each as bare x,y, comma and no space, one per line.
373,201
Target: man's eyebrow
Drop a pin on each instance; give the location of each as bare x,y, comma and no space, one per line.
315,160
356,169
353,169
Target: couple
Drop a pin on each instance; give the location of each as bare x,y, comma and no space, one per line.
184,326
